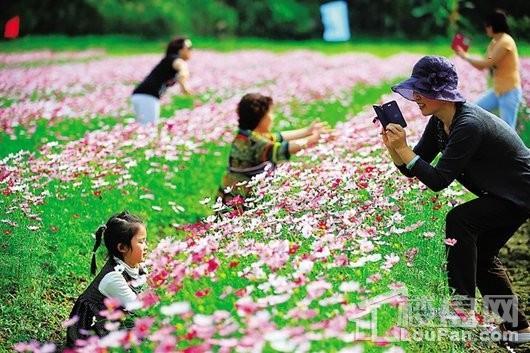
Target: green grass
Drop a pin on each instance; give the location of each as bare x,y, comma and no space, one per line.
128,45
68,129
523,125
50,266
62,131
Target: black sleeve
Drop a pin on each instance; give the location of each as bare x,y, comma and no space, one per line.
463,142
426,148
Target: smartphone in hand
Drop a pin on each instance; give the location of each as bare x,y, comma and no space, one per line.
389,113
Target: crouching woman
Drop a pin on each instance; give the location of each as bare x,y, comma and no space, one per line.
487,157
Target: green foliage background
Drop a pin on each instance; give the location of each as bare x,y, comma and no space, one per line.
278,19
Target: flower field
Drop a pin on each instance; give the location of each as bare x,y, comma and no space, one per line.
334,246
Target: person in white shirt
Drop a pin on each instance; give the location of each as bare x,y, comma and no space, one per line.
121,279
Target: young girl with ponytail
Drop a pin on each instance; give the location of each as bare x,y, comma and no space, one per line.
121,278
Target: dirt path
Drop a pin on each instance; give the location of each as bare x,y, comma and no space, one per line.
516,258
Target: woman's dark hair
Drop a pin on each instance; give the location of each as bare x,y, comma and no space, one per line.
120,228
175,45
498,22
251,109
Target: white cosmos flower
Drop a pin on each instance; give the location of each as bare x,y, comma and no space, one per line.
173,309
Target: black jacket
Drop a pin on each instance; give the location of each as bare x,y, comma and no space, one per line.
481,151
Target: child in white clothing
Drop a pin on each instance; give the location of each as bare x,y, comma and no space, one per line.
121,279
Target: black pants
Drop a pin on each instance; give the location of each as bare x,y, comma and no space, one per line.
481,227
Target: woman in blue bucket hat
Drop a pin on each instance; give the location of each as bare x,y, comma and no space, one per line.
488,158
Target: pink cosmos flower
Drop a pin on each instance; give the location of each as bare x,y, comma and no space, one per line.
202,293
148,298
213,264
113,311
450,241
391,261
203,348
317,288
35,347
397,332
246,306
167,345
70,321
142,326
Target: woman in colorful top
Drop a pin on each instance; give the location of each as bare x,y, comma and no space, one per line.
502,58
489,159
170,70
255,148
122,278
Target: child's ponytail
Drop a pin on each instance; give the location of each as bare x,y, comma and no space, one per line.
99,237
119,229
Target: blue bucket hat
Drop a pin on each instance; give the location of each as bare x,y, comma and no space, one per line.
433,77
